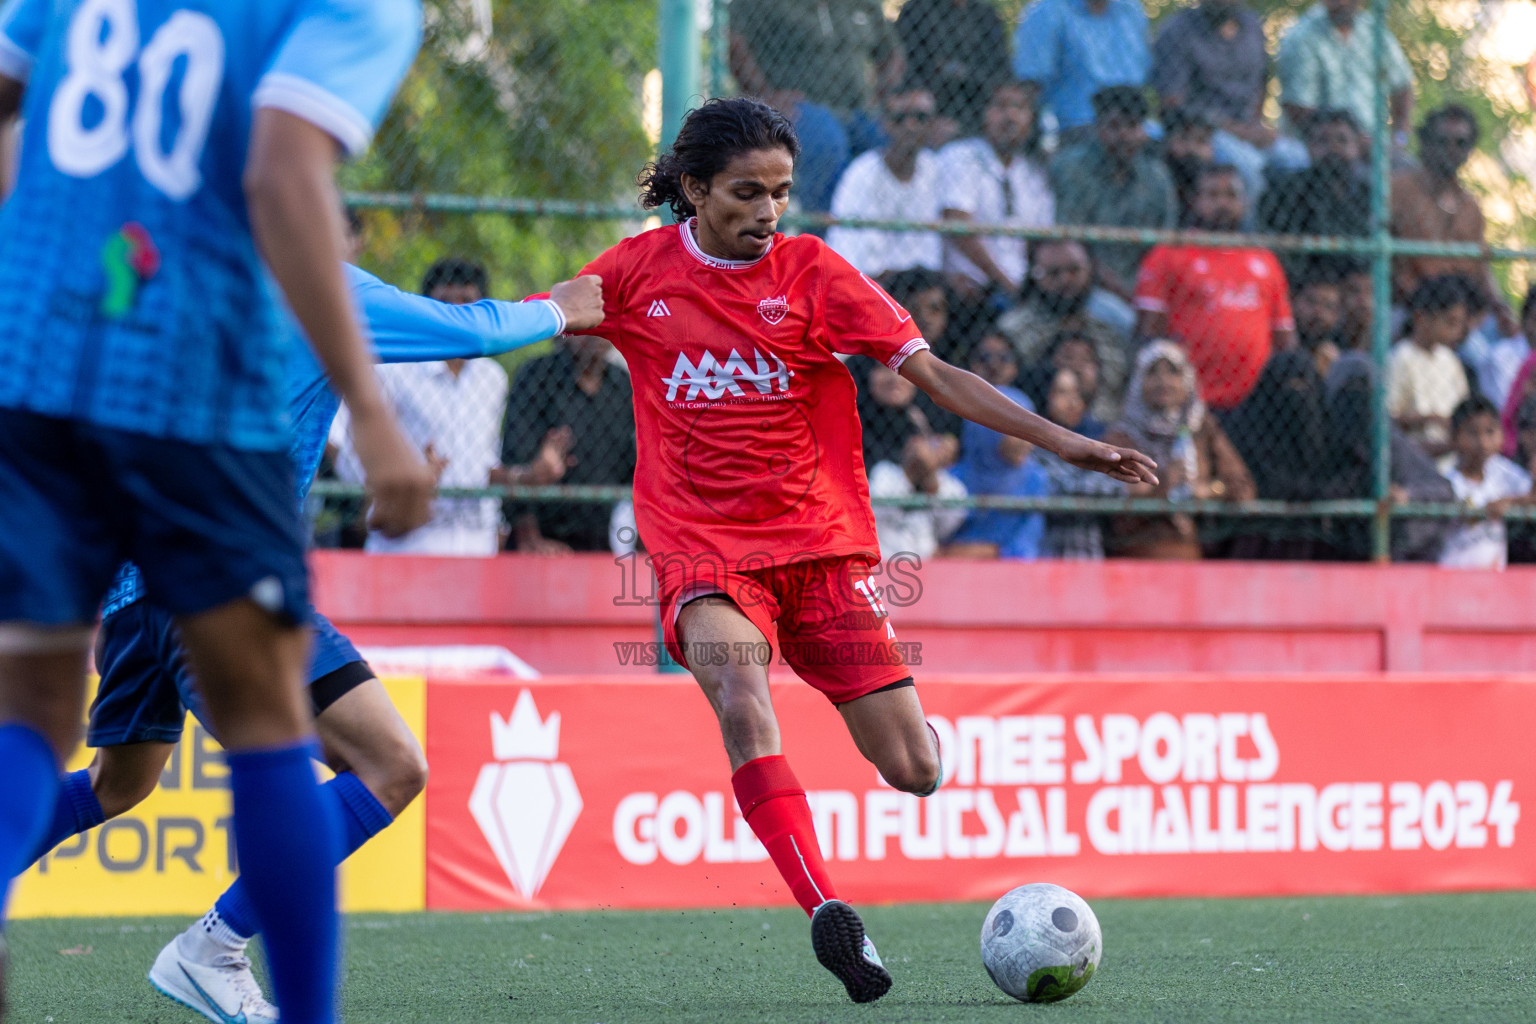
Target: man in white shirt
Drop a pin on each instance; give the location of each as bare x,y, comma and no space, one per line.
897,182
995,179
452,410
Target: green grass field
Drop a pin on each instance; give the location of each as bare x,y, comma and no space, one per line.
1423,958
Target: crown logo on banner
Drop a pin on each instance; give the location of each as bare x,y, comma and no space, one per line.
525,802
523,735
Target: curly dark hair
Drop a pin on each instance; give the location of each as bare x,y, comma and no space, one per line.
711,137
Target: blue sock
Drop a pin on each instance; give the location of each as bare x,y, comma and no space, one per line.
75,810
287,838
362,818
31,783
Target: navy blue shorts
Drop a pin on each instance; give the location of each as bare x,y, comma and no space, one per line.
146,685
206,523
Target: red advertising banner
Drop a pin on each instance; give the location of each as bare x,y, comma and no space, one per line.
615,792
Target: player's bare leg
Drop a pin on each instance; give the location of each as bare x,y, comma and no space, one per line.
249,666
889,729
771,798
380,769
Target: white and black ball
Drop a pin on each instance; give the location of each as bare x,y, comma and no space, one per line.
1041,943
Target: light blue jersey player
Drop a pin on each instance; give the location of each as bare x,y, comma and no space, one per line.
166,143
146,687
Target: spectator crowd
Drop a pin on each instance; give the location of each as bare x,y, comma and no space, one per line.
1246,374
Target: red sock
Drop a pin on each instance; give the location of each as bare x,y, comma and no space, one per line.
774,805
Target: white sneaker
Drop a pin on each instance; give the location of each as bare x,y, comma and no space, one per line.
221,987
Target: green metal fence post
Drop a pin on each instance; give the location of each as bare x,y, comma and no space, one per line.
719,45
679,61
1381,274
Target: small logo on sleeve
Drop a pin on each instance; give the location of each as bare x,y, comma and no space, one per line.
774,310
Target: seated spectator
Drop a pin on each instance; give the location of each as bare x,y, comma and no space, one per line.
899,181
842,56
891,416
1425,378
1229,307
1165,418
1068,535
1188,149
574,389
958,50
1328,61
1523,382
1357,308
1070,50
998,464
1318,305
1281,429
452,411
1485,480
915,531
1111,180
1349,392
995,179
1209,62
1060,295
1330,198
921,292
1102,382
1430,203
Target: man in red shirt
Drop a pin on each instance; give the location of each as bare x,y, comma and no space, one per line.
750,487
1230,308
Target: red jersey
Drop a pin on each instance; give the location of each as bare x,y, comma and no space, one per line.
1224,305
749,443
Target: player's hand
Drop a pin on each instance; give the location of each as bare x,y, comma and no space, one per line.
1124,464
400,483
581,299
435,462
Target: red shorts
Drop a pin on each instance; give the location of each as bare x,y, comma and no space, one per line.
832,628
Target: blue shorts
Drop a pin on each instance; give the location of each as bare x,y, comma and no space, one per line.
206,523
146,685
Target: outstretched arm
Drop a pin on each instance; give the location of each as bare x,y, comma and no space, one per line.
409,328
965,394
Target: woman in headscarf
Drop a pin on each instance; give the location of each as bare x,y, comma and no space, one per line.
1165,416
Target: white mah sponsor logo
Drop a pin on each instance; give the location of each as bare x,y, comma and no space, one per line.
712,378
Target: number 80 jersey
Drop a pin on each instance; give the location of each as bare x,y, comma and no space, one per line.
131,292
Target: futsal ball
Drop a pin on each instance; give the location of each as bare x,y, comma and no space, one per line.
1041,943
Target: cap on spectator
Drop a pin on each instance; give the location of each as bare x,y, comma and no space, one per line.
1129,100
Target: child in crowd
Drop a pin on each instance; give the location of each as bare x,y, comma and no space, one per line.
1425,378
1068,535
1482,479
993,463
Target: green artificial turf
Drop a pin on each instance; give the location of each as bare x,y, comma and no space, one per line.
1421,958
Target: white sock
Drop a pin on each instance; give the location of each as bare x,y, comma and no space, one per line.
212,937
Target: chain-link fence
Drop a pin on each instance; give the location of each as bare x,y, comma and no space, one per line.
1251,239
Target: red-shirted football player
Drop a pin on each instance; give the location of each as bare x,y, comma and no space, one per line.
750,487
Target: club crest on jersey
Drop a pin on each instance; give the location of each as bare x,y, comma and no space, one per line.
711,378
774,310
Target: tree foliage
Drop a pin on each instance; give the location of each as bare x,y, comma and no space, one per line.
548,107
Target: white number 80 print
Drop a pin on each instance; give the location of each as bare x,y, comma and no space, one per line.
102,43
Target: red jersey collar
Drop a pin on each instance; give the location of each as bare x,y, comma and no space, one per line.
714,262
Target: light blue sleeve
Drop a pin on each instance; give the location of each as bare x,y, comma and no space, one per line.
22,25
1035,46
340,65
410,328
